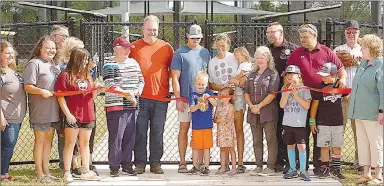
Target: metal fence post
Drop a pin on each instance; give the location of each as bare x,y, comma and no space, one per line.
328,32
206,34
320,31
81,30
71,26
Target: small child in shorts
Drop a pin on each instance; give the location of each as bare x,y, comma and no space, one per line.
202,124
326,119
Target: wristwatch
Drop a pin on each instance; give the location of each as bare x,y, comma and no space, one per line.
380,110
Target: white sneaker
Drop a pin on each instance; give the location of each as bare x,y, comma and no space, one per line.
68,177
90,176
44,179
53,178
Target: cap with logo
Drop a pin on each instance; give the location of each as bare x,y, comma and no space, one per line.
352,24
195,32
291,69
328,69
308,28
122,41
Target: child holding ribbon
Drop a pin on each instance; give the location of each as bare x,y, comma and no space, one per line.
326,119
78,110
202,124
295,103
224,117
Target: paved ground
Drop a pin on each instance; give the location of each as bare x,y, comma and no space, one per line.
171,177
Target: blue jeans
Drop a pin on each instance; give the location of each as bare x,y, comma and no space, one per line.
8,142
152,113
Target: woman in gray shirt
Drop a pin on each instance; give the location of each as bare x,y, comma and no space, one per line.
13,107
39,77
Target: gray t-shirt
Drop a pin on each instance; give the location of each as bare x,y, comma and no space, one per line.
295,115
43,75
13,98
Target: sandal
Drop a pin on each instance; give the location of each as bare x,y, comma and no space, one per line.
182,168
364,179
240,169
376,181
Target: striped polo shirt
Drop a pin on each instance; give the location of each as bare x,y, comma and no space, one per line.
356,53
126,75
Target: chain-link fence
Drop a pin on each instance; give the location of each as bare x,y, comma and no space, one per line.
98,38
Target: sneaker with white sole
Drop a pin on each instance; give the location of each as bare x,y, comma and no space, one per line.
52,178
267,172
256,171
68,178
90,176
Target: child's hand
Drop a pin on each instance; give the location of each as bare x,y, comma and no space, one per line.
314,129
295,91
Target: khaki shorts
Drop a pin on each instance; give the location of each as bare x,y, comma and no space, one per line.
45,126
184,116
330,136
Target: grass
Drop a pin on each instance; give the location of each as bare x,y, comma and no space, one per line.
351,176
27,177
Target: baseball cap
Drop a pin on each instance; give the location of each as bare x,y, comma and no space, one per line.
308,28
352,24
122,41
195,32
291,69
328,69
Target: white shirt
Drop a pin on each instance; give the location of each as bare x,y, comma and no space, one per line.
356,53
220,70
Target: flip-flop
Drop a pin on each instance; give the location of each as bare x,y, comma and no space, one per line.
364,179
375,181
182,168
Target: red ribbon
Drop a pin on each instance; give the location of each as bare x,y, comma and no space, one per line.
113,89
324,90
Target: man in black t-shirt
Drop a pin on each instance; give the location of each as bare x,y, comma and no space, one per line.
326,119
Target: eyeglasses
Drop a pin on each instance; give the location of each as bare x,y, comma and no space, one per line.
195,38
272,32
63,35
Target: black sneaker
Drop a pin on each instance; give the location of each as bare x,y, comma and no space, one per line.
76,172
128,171
204,172
193,171
325,173
115,173
93,168
338,174
279,168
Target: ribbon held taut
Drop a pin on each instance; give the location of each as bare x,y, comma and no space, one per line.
323,90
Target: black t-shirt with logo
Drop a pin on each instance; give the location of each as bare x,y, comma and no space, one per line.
329,112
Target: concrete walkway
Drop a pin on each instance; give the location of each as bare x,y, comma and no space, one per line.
171,177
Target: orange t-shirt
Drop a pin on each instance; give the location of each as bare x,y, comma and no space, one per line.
155,63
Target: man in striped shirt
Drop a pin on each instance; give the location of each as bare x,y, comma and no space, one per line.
352,33
124,74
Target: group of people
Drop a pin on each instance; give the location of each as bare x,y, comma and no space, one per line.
142,70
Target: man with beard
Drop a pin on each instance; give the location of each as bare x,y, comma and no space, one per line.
281,49
186,63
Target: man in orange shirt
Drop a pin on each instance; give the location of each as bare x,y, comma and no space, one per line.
154,57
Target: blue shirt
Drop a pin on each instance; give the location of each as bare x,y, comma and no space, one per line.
367,95
201,119
189,61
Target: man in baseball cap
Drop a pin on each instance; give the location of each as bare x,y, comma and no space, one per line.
195,32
